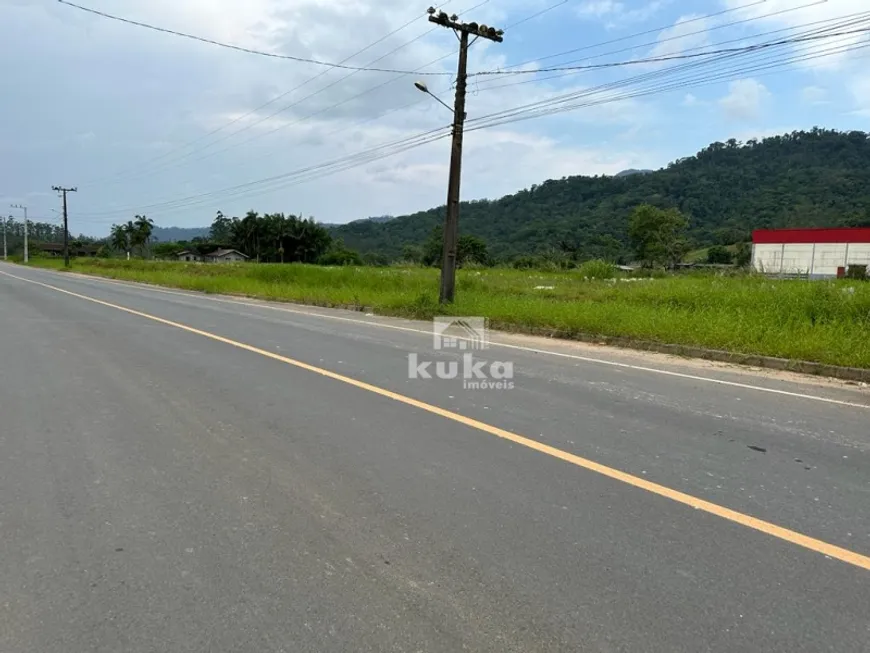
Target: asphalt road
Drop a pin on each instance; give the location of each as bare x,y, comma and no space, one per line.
203,474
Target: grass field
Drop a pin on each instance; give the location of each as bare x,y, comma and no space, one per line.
827,322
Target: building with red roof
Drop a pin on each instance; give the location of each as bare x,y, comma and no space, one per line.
815,252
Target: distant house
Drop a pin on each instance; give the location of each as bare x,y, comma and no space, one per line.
188,255
226,256
217,256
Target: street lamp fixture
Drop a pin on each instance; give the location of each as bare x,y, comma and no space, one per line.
425,89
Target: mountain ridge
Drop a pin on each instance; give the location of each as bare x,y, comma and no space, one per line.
804,178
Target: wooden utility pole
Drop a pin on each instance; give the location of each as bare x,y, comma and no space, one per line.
64,191
26,247
451,221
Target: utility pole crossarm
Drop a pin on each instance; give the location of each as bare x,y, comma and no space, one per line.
481,30
451,220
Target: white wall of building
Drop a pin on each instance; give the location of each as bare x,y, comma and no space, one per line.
820,259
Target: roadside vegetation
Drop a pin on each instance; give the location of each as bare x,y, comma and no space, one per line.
720,306
822,321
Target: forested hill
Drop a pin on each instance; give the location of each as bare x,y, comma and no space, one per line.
815,178
174,234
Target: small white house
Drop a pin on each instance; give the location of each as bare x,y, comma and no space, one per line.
187,255
226,256
815,253
217,256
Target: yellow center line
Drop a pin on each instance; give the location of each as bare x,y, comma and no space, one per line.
785,534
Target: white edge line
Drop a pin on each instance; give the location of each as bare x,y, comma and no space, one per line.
585,359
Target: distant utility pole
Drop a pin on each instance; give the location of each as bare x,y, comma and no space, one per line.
5,225
64,191
26,251
451,221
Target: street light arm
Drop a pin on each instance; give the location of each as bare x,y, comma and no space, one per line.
443,103
425,89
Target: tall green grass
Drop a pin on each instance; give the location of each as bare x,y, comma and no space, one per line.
823,321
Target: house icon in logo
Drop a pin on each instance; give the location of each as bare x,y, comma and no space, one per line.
459,333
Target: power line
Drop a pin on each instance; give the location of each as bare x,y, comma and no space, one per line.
173,163
534,110
560,104
654,30
377,151
185,158
320,171
550,8
238,48
633,47
675,57
721,43
535,15
120,176
365,157
655,74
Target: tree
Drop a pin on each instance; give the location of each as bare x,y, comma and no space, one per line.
471,249
221,231
375,259
142,229
412,253
120,238
433,248
803,179
304,240
167,250
719,255
658,235
744,255
338,254
248,232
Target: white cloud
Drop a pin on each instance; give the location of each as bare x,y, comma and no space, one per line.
745,99
759,133
688,32
690,100
814,95
617,13
860,91
600,8
774,14
840,69
131,95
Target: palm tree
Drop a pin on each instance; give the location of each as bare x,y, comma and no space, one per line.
141,231
250,227
120,238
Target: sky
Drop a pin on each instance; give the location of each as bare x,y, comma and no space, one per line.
144,122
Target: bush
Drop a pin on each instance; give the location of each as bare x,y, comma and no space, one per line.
340,256
597,269
525,262
744,255
719,255
375,259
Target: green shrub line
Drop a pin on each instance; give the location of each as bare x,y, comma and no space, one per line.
821,321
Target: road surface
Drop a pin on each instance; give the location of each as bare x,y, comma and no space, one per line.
190,473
